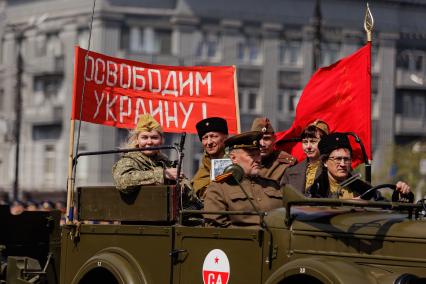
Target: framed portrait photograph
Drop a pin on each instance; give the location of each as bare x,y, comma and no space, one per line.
217,167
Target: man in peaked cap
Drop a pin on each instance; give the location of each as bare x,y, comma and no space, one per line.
336,157
274,162
225,194
212,132
302,175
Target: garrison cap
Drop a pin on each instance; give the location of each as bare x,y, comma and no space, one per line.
262,124
320,124
245,140
215,124
334,141
147,123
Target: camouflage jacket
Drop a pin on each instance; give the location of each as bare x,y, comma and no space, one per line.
135,169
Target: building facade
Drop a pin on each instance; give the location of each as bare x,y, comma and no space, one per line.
271,43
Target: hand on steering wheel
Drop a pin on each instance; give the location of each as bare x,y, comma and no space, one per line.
397,196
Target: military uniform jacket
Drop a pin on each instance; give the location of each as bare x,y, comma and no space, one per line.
227,196
321,186
274,166
201,179
296,175
135,169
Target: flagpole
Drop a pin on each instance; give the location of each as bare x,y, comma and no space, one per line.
70,180
237,100
368,27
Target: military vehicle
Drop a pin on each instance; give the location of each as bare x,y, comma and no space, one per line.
307,241
145,237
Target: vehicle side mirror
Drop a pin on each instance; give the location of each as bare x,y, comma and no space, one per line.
236,171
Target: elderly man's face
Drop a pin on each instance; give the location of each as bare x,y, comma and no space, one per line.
267,144
213,143
339,164
248,159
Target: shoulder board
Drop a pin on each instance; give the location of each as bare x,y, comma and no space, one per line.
223,177
286,158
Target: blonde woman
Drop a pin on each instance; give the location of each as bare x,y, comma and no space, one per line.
147,167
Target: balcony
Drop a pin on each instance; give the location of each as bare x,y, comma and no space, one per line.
47,64
409,125
410,79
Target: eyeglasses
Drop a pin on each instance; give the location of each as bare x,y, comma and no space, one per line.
338,160
313,141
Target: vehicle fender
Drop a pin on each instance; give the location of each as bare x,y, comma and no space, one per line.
325,269
118,262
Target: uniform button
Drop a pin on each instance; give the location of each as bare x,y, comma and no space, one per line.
258,199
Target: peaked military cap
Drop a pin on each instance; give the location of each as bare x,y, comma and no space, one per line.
263,125
215,124
147,123
245,140
320,124
333,141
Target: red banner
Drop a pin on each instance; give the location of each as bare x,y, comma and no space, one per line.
117,91
338,94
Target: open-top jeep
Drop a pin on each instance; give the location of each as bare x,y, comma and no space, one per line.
149,239
145,237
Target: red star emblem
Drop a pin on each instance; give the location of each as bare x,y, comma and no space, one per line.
216,260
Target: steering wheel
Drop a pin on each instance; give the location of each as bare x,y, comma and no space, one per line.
397,196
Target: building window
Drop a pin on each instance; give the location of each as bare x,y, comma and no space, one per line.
51,131
40,45
47,86
290,53
249,101
330,53
162,41
146,40
136,43
419,102
249,50
411,60
125,38
287,101
49,165
48,44
208,46
412,104
53,45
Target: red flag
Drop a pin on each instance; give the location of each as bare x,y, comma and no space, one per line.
338,94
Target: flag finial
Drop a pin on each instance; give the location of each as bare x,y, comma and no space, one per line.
368,23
